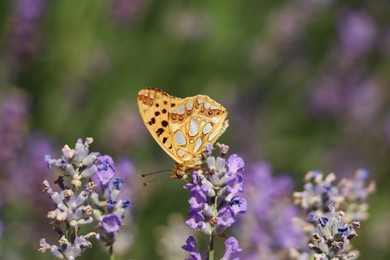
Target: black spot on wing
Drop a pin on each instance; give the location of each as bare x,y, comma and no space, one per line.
164,140
164,123
159,131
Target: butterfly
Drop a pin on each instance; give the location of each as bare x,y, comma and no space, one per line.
182,126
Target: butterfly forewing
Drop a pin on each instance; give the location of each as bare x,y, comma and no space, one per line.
154,106
182,127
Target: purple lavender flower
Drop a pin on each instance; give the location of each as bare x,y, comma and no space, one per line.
68,250
216,183
190,246
232,248
111,223
106,170
77,158
329,236
332,239
109,209
85,201
215,191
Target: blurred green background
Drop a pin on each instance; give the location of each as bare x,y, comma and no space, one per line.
305,83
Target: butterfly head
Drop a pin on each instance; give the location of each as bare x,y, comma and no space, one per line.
180,170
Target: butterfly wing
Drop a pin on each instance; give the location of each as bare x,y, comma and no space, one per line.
154,106
182,127
195,122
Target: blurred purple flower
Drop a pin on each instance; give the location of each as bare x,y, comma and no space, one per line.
326,98
126,169
24,38
357,33
14,118
30,10
352,97
268,230
364,101
126,12
123,130
29,168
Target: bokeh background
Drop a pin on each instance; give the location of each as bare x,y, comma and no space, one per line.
306,84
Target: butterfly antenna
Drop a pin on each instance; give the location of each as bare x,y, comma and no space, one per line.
147,183
151,173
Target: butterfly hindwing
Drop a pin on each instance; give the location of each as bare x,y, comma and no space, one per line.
196,121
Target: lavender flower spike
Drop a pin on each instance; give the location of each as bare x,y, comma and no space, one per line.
331,241
93,196
77,163
215,192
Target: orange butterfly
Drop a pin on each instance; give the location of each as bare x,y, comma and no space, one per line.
182,127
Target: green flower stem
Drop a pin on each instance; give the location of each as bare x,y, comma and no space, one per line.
211,247
68,231
111,251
